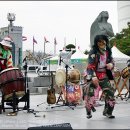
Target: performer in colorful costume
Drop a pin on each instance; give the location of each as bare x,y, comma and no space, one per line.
100,62
5,54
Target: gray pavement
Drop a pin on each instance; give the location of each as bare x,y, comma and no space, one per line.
45,115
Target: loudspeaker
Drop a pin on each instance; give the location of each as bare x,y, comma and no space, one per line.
64,126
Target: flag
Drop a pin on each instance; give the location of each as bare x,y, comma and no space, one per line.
45,40
24,38
34,41
55,42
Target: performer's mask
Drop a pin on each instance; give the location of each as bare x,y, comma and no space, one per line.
101,44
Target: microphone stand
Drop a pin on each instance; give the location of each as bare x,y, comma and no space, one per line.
27,93
66,84
50,80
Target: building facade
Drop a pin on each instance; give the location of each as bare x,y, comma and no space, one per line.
123,9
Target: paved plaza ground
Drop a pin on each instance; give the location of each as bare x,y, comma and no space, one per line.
45,115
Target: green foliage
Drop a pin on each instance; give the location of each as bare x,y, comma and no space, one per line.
86,52
71,46
122,40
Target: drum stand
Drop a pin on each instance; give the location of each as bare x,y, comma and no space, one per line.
65,103
129,90
129,80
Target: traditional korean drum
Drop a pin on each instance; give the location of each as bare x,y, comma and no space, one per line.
60,77
74,76
72,93
12,80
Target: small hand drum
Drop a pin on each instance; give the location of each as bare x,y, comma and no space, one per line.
60,77
125,72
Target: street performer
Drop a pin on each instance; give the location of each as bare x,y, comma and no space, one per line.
100,64
5,54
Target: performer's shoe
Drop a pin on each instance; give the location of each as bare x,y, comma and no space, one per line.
109,115
89,115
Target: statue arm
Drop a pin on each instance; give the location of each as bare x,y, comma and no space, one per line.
108,30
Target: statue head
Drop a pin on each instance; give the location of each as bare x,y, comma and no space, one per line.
102,15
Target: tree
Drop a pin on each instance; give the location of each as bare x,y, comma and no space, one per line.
70,47
122,40
86,52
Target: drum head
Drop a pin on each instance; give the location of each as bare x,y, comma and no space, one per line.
8,70
74,76
60,77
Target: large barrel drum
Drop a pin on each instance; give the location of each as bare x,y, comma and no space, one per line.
12,80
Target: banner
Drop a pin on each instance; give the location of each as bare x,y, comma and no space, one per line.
24,38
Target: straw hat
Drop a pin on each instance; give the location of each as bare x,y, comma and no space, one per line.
60,77
6,42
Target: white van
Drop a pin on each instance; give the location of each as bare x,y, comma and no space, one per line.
41,70
32,68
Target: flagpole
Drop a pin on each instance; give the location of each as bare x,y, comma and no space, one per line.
33,53
54,49
33,49
34,41
55,43
44,52
65,43
44,48
75,42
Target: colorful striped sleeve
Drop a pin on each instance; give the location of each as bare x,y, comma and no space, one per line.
9,63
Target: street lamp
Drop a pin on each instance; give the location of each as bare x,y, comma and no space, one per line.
11,18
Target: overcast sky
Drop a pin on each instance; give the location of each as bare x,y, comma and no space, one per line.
60,19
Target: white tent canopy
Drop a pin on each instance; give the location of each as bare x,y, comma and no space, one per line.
119,56
79,56
56,57
54,60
